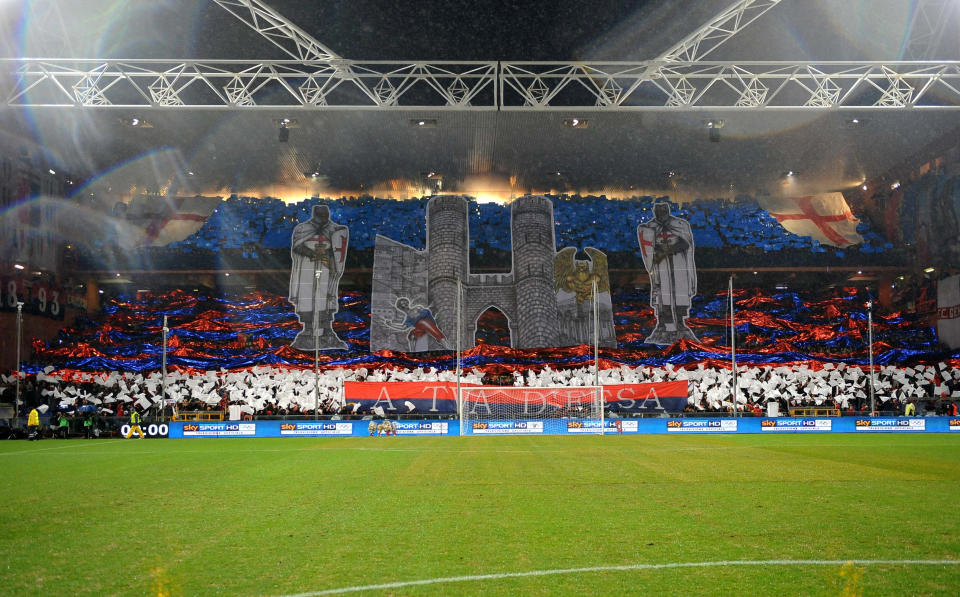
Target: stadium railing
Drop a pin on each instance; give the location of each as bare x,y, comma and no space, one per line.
814,411
203,415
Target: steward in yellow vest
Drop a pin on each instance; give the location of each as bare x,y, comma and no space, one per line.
134,424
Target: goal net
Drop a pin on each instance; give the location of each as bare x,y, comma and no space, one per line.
523,410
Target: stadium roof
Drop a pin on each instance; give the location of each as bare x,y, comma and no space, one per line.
481,152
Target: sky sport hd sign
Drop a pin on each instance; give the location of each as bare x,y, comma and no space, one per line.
891,424
796,425
507,427
219,430
316,429
701,426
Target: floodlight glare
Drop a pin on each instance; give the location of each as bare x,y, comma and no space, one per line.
576,123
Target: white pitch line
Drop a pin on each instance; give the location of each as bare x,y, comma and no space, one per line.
60,447
502,575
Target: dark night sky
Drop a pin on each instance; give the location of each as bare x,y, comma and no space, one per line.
436,30
459,29
542,30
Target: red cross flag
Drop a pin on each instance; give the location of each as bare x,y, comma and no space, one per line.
825,217
164,220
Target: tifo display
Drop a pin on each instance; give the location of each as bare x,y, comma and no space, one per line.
547,341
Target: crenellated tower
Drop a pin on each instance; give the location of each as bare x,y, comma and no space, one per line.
448,258
534,251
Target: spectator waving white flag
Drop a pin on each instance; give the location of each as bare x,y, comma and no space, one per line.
948,311
825,217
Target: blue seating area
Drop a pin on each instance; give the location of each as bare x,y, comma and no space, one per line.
251,224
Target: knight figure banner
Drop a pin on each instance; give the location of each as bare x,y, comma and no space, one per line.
666,246
318,249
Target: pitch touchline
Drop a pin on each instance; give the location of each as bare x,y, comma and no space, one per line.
60,447
502,575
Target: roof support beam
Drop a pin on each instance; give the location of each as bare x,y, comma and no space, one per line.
239,83
717,30
478,86
279,31
927,24
729,86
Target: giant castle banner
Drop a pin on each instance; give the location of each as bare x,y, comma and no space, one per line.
547,297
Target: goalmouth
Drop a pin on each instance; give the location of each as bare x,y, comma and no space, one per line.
510,410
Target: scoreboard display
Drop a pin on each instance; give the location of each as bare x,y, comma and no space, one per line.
38,297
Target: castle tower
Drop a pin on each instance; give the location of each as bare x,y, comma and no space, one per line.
448,258
534,251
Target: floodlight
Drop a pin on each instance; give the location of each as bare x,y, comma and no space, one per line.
576,123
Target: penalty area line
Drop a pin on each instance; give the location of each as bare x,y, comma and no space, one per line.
625,567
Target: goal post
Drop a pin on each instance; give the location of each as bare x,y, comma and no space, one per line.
514,410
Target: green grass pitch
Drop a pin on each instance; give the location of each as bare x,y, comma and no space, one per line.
288,516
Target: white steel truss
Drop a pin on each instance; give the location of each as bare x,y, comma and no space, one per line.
481,86
717,30
729,85
249,84
927,24
294,41
317,78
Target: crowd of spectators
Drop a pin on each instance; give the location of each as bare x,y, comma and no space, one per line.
265,392
921,211
251,224
232,331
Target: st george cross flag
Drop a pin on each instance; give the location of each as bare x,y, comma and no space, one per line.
825,217
164,220
948,311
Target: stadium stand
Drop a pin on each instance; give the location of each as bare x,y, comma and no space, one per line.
242,222
800,347
797,348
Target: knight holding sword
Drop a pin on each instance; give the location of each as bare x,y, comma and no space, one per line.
319,252
666,245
